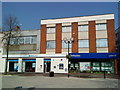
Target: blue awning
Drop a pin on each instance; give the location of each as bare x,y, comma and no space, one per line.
94,55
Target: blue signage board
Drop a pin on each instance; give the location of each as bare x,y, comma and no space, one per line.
47,59
93,55
29,59
12,60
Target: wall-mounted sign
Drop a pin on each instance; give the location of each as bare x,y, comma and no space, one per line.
94,55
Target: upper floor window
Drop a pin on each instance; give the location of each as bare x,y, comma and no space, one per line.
50,44
83,43
83,28
50,29
102,43
23,40
66,29
65,45
101,27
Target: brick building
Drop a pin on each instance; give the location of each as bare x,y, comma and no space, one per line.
93,47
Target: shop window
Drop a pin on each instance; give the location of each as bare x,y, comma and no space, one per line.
66,28
61,66
102,42
50,44
83,43
83,28
101,27
95,66
106,66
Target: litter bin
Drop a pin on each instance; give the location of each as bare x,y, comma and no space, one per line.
51,74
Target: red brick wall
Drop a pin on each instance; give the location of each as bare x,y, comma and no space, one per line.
92,37
75,36
112,41
111,36
43,39
58,38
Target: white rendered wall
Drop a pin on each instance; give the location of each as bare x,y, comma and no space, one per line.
56,61
78,19
2,62
39,65
20,64
23,67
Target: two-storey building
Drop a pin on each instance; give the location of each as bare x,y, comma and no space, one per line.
22,50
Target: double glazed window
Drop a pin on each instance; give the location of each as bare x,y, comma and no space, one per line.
50,29
50,44
101,27
83,43
66,29
83,28
102,43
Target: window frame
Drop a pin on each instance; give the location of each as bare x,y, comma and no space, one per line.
64,31
84,42
104,29
48,32
52,45
80,30
100,44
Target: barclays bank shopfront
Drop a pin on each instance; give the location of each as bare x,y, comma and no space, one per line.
93,62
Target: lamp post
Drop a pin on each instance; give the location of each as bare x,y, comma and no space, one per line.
68,41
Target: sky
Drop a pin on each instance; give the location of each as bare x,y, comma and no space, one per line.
29,14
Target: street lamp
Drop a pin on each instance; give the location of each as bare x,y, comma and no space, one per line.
68,41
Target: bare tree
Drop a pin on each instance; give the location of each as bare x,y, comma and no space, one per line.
10,30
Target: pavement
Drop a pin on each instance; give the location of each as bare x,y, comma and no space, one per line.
40,81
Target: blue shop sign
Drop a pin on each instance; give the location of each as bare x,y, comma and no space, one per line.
29,60
94,55
47,59
13,60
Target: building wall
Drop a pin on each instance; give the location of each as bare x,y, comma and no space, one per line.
26,48
39,65
55,62
2,61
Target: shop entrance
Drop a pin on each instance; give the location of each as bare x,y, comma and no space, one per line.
30,66
13,66
47,65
